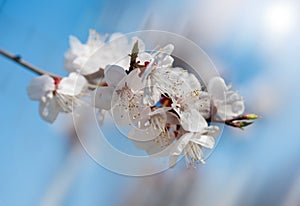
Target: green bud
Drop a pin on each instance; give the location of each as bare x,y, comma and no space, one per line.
241,125
251,116
135,50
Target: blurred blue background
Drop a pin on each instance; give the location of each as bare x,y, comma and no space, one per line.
254,44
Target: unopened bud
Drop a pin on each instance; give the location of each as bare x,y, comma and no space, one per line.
241,125
251,116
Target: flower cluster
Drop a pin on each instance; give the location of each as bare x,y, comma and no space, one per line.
164,106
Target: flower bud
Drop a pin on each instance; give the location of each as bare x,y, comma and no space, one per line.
251,116
241,125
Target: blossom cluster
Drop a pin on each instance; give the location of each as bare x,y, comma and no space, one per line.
164,106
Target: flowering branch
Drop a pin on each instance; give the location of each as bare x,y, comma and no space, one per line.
166,104
18,60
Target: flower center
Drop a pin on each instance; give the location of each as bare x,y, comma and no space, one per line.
56,82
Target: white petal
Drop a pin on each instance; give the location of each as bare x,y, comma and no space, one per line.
181,143
151,95
88,64
172,118
78,57
192,121
163,58
121,116
143,134
167,62
40,86
49,109
133,80
193,82
213,131
144,57
227,109
72,85
222,110
75,45
238,107
126,106
150,147
229,103
217,88
94,39
145,130
176,82
204,140
168,49
148,70
69,58
102,97
114,74
124,115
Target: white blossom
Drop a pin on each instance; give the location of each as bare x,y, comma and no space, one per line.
99,51
122,95
102,96
229,104
152,132
166,109
56,94
127,99
191,145
79,53
188,100
154,76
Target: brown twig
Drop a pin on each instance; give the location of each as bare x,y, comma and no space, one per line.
239,122
18,60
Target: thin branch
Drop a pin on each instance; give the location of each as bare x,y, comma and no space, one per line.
229,122
239,122
18,60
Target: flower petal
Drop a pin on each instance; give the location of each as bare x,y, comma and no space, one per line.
231,107
212,131
102,97
40,86
121,116
238,108
192,121
144,57
143,134
49,109
150,147
72,85
151,95
217,88
114,74
204,140
94,39
133,81
181,143
229,103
